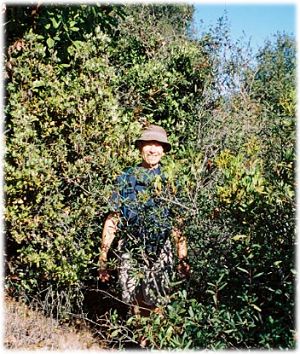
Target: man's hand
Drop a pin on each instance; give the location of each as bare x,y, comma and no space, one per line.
184,268
104,275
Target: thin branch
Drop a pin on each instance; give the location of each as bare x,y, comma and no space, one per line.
179,204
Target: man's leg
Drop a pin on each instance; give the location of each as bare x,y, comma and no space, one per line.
156,284
127,281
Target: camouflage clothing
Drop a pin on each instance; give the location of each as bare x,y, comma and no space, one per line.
145,227
152,280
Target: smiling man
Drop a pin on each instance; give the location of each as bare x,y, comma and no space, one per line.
143,222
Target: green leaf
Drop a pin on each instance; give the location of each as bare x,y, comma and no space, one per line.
256,307
238,237
243,270
115,333
258,275
50,43
169,332
222,286
38,83
191,312
55,23
78,44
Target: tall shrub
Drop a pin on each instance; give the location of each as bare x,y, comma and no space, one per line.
70,132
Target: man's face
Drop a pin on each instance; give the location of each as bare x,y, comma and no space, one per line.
152,152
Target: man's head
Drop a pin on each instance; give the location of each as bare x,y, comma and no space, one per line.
152,144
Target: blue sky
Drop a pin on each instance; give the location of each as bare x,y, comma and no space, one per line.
258,21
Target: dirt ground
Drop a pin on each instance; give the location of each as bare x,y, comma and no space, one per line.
28,329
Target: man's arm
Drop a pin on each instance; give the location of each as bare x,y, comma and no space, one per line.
108,235
181,247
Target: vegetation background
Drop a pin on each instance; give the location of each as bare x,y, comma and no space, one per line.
81,83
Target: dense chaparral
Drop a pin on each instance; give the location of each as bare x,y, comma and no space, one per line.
81,83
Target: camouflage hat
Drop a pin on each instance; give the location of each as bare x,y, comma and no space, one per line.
155,133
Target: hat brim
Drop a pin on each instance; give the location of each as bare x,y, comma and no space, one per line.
167,147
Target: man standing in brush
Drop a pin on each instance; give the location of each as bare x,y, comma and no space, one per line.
143,220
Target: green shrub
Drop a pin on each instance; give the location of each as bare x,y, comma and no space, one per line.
76,101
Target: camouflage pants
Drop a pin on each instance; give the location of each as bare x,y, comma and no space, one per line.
151,280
